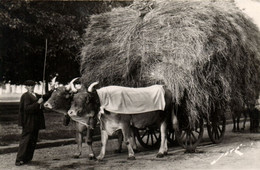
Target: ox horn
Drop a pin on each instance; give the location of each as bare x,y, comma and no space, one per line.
53,80
71,86
90,88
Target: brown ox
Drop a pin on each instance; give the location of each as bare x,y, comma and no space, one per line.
87,105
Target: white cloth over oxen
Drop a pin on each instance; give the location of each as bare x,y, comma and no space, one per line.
127,100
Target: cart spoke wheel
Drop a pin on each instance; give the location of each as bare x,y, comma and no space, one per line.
171,137
216,129
189,138
145,133
148,138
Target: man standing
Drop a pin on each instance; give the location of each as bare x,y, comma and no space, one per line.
31,119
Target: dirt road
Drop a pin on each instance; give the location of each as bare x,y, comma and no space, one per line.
237,151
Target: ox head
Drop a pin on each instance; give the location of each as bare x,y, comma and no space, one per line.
61,97
85,104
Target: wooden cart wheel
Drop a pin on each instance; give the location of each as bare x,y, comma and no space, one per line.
149,137
171,137
190,137
216,128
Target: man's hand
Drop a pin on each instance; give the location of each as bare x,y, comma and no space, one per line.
52,87
40,101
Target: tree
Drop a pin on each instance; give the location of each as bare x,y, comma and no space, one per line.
24,26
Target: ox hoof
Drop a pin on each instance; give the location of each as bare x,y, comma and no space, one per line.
131,158
118,151
99,158
92,158
76,156
190,151
136,150
159,155
165,153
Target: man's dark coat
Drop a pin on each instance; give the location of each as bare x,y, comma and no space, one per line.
30,114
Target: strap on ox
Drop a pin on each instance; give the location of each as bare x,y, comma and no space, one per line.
127,100
80,120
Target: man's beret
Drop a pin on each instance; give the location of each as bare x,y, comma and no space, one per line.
29,83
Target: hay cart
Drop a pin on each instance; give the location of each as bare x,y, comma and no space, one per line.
187,136
206,48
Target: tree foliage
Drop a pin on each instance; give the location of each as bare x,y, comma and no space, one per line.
24,26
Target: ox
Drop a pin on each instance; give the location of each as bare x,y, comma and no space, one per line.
236,115
60,101
87,104
236,119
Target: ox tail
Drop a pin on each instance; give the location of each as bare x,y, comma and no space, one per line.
175,123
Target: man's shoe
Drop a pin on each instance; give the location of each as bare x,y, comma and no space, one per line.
19,163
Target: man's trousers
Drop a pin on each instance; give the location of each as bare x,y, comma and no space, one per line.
27,145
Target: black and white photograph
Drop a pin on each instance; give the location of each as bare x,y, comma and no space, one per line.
129,84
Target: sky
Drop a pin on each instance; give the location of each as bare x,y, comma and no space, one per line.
251,8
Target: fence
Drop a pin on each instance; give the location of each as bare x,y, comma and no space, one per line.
20,89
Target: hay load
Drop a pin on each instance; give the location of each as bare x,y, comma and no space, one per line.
205,52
